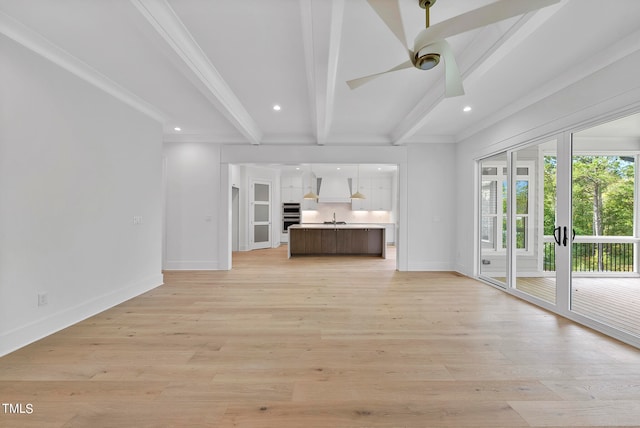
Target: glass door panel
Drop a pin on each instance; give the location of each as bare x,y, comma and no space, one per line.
261,215
604,266
493,219
534,220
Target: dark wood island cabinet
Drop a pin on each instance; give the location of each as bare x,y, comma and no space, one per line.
340,239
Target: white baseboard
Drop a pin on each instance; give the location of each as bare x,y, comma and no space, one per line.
430,266
191,265
38,329
463,270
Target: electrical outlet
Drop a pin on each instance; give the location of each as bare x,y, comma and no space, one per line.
137,219
43,299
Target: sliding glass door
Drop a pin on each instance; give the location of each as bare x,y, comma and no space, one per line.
517,219
534,216
558,225
493,219
604,273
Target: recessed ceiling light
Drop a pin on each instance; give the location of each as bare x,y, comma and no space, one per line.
466,109
177,128
277,107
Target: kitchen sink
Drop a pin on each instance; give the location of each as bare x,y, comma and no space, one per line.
336,222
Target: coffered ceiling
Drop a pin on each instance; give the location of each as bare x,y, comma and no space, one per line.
216,68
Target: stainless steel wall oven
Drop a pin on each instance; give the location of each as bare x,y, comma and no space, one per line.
290,215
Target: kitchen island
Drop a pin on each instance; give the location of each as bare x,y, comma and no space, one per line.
311,239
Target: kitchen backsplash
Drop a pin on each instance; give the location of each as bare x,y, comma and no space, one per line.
344,213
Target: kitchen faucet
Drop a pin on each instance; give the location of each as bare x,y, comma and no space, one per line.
334,218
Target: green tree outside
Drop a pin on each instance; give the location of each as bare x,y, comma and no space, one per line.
602,189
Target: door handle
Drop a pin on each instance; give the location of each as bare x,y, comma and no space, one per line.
564,238
556,234
573,235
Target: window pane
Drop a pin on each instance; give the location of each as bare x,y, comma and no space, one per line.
488,232
504,198
521,232
550,166
489,197
490,171
504,232
603,194
522,197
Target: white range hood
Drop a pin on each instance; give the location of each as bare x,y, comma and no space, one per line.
334,190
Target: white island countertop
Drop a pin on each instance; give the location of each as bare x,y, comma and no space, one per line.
336,226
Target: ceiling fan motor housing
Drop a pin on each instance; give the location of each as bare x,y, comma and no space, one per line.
426,60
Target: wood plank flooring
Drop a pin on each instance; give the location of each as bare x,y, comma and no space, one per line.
323,342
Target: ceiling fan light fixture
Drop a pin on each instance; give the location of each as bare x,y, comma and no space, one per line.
427,61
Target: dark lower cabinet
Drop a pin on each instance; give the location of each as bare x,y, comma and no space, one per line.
359,241
297,241
344,243
313,242
375,241
331,241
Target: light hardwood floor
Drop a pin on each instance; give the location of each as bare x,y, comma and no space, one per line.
323,342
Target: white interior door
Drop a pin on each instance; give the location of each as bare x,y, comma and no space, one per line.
260,209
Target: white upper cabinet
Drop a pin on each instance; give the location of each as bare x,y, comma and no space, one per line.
291,188
377,191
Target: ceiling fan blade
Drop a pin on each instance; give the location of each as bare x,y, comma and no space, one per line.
477,18
452,77
355,83
389,12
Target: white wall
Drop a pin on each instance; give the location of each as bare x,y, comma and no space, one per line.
76,166
609,92
431,205
192,203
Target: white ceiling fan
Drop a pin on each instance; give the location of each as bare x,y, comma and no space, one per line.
430,44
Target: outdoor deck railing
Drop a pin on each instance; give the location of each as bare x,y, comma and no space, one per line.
595,254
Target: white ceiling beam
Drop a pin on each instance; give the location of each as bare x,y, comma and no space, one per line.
335,36
35,42
306,17
491,55
322,52
164,20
